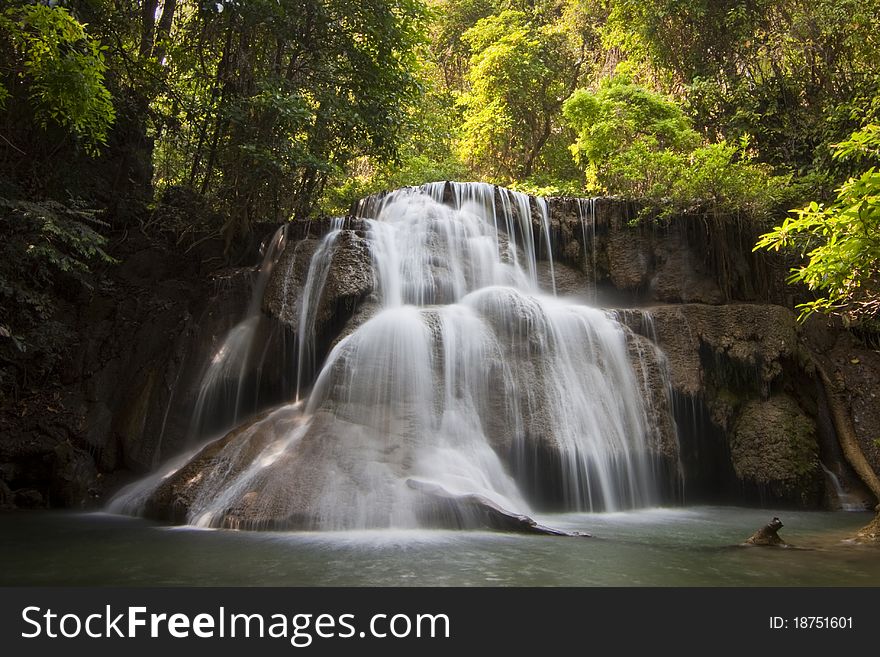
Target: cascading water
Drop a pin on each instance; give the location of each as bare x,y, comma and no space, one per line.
586,210
229,389
467,389
845,501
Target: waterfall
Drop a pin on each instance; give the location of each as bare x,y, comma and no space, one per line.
846,501
319,268
467,388
586,210
229,388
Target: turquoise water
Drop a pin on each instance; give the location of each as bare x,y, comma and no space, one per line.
694,546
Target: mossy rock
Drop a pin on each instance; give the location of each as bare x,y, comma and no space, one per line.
773,445
870,534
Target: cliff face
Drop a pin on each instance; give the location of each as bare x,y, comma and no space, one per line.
755,420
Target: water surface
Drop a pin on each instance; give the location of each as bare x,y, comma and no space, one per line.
659,547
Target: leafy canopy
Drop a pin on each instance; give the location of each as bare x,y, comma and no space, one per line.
63,70
636,143
840,241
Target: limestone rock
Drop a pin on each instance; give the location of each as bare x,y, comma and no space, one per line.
349,281
773,443
284,290
679,274
628,260
755,338
870,534
649,365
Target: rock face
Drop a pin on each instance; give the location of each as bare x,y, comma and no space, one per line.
636,259
346,283
755,339
744,394
651,368
123,399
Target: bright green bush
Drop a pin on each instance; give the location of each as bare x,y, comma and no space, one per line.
635,143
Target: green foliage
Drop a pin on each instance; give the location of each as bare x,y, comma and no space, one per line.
636,143
621,114
63,71
795,75
840,241
47,251
282,94
519,73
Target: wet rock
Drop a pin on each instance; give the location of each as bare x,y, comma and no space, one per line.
178,495
869,534
754,338
767,535
652,376
284,290
478,511
679,274
569,281
74,478
7,498
349,281
29,498
773,444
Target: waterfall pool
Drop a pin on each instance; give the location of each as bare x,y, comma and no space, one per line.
691,546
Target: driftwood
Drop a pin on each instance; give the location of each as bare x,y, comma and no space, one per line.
767,535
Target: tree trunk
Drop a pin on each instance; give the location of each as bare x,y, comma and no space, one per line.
846,434
163,31
148,27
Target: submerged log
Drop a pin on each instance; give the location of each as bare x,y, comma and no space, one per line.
768,534
487,513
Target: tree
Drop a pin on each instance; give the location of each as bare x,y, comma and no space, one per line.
53,77
795,76
279,95
840,241
637,143
520,72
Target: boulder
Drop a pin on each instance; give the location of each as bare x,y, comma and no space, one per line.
479,511
870,533
773,444
348,281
